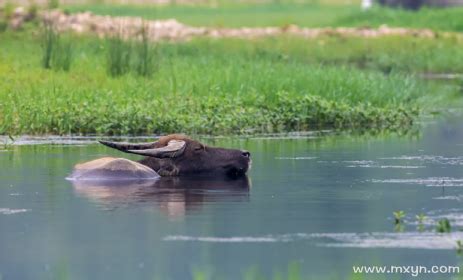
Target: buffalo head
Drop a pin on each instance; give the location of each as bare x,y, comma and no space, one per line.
178,155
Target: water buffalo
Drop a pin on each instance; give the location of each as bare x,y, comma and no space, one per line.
174,196
171,155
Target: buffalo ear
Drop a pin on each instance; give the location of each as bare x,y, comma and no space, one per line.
174,148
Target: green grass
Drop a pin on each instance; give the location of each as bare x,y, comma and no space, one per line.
234,15
444,19
385,54
281,14
56,50
118,56
203,86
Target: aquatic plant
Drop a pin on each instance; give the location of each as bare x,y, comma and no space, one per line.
56,49
398,216
49,42
459,247
6,143
62,54
200,275
118,55
145,54
443,226
421,218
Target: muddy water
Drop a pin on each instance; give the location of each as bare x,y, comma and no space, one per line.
324,203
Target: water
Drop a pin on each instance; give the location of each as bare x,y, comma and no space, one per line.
323,202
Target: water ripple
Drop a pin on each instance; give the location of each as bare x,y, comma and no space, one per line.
430,159
429,182
410,240
8,211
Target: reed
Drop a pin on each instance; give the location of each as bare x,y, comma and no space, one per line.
118,56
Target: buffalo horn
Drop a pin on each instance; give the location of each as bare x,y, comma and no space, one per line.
173,149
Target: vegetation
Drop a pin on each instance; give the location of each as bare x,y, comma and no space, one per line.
283,13
386,54
421,218
118,56
56,51
398,216
198,89
443,226
145,54
459,247
124,56
222,86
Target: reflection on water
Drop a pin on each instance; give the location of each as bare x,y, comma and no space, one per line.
408,240
324,201
172,195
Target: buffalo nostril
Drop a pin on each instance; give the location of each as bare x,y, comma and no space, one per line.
246,154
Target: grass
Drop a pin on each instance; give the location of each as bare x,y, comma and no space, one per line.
56,51
145,54
118,56
233,15
124,56
204,86
443,19
284,13
49,42
385,54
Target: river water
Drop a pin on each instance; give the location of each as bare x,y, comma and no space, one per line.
318,202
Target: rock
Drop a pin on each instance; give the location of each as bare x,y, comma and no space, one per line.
109,168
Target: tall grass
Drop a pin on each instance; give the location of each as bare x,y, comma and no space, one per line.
56,50
63,54
118,56
49,41
145,54
125,55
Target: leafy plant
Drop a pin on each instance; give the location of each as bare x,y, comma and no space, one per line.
443,226
459,247
421,218
398,216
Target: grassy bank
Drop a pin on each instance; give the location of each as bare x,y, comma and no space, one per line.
385,54
203,86
281,14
